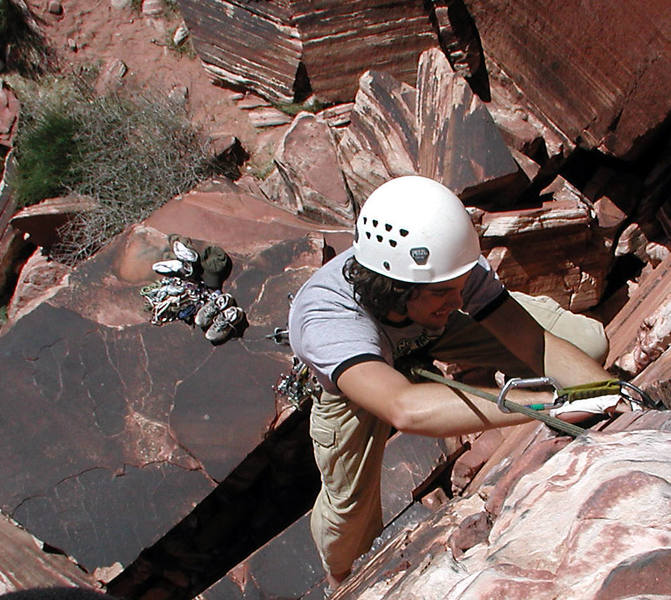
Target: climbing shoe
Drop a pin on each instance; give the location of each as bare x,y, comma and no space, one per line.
217,303
184,252
225,325
173,267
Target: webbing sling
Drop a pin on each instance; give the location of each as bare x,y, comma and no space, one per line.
553,422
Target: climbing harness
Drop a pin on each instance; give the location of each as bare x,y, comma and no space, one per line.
562,395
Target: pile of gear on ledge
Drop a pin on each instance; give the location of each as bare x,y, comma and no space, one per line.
190,291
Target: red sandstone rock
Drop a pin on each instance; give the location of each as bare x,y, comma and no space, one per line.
376,145
655,379
470,462
343,39
641,332
308,182
522,128
458,142
440,129
601,79
228,216
471,531
550,250
285,49
9,113
25,565
41,221
434,499
568,528
458,37
39,280
246,43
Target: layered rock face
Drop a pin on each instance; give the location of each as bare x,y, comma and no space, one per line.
172,460
275,47
599,78
250,44
598,81
586,521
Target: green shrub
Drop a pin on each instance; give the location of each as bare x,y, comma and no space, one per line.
128,154
46,155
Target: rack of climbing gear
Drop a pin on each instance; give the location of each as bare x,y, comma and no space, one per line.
298,385
190,291
280,336
172,298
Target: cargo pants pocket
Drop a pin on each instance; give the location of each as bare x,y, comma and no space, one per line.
327,455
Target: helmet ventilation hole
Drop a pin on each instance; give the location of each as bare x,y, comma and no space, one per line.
403,232
365,220
379,238
392,243
387,227
385,264
375,222
368,234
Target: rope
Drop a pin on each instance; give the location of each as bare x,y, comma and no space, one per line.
553,422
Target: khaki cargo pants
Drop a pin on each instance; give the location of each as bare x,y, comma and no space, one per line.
349,442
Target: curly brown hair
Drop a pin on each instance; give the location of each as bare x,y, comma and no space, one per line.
377,293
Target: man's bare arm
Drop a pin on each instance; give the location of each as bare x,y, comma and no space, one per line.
435,410
544,352
428,409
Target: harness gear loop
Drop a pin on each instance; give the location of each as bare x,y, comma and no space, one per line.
299,385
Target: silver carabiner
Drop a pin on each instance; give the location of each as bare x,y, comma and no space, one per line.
518,382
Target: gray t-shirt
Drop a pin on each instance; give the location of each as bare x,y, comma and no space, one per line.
330,332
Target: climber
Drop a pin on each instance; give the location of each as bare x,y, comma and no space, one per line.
414,285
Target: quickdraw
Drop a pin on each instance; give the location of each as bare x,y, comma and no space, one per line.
606,387
534,411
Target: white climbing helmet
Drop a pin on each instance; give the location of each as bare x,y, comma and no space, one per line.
414,229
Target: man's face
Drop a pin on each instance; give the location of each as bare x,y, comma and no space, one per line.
431,305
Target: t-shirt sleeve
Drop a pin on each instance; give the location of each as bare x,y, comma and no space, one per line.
330,343
483,292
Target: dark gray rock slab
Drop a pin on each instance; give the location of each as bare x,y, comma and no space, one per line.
113,429
288,566
88,461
